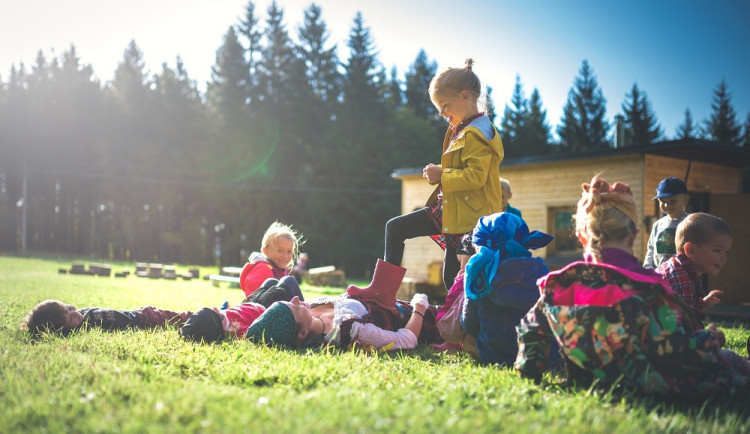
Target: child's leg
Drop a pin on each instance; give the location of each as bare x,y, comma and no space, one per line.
737,362
291,283
402,228
149,317
451,266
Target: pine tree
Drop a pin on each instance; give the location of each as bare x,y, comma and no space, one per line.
280,68
418,79
395,95
131,76
687,129
536,130
489,105
746,135
514,120
583,125
723,126
641,127
251,31
322,62
361,65
227,92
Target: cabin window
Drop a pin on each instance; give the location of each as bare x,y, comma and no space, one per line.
563,229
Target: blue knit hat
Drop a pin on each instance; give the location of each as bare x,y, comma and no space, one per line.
275,327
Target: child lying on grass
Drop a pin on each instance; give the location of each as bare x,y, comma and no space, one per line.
57,316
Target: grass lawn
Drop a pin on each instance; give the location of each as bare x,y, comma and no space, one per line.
152,381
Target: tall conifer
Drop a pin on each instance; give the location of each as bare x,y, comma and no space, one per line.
722,126
687,129
584,126
418,79
641,127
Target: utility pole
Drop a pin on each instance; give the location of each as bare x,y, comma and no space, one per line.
24,206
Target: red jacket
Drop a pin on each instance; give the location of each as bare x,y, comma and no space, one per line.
256,271
244,315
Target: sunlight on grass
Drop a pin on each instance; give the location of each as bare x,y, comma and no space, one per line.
152,381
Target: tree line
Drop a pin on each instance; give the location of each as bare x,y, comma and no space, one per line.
146,167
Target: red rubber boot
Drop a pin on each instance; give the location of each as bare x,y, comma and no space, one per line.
382,290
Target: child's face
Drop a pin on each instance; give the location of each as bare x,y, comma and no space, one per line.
454,109
710,257
281,252
74,317
301,311
675,205
506,197
225,324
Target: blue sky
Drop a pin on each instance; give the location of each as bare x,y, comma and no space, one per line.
677,51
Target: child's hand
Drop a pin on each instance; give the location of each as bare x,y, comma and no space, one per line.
420,300
712,299
718,333
432,173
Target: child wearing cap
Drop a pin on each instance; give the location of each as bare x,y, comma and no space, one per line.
673,198
213,324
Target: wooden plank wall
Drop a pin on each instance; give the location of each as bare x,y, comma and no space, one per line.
538,187
420,252
734,209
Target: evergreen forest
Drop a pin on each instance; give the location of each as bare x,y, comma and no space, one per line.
291,128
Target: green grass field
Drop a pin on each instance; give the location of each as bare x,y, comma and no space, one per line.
152,381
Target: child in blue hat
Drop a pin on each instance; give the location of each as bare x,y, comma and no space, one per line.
673,198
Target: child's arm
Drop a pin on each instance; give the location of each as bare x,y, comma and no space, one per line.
405,338
253,275
712,299
476,158
534,334
648,262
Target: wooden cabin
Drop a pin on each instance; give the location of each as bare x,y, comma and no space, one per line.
547,188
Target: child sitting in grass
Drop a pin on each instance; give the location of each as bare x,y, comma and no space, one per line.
271,266
501,284
57,316
617,323
702,242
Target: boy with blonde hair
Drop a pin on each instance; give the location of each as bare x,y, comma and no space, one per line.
702,241
507,194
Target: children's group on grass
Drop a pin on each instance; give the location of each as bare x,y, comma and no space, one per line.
605,319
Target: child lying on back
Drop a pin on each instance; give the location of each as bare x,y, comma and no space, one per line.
56,316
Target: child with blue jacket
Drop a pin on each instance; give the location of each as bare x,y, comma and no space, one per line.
500,285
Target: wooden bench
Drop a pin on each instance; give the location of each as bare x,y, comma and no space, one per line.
231,271
325,276
218,279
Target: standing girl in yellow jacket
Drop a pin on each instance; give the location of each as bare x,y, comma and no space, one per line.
467,179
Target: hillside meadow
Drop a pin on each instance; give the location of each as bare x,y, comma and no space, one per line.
152,381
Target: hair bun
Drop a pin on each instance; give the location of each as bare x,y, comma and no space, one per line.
469,63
